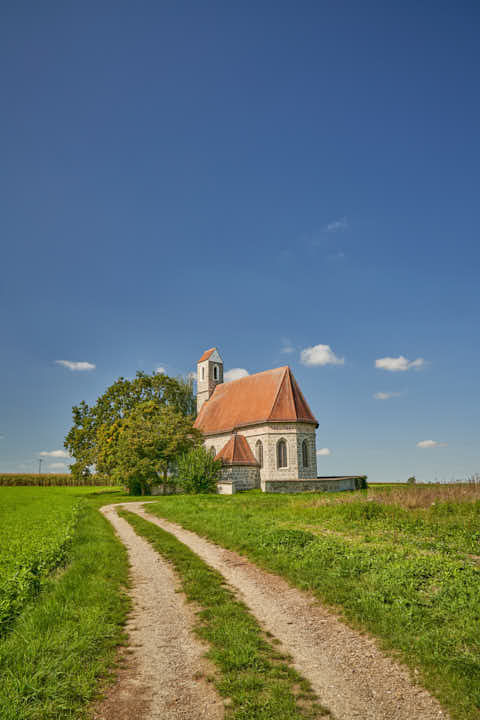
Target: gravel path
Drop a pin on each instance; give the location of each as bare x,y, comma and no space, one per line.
161,676
348,672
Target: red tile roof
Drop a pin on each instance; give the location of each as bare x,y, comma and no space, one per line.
270,396
207,354
237,452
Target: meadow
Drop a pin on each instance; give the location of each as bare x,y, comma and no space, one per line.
63,576
36,529
401,563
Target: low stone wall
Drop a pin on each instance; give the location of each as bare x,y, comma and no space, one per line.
241,477
311,485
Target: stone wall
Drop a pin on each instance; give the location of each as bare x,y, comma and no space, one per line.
310,485
235,478
269,435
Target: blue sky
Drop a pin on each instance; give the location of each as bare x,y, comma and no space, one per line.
257,176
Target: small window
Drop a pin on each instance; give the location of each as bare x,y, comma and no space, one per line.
215,372
212,451
305,453
259,452
281,454
203,372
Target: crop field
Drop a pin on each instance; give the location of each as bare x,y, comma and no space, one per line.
36,527
47,480
402,563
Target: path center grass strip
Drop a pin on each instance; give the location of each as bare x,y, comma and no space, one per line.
64,641
259,681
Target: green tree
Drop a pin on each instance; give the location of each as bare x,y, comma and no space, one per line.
150,440
94,434
412,480
198,471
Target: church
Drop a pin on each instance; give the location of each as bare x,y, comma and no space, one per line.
262,430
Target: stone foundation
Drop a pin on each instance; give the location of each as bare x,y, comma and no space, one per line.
334,484
240,477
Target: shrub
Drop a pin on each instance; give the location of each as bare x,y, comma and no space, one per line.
412,480
198,471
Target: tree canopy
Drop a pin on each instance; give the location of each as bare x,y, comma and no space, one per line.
94,438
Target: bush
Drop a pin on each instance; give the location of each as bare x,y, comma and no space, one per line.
412,480
198,471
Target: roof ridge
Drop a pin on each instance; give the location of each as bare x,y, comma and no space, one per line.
282,378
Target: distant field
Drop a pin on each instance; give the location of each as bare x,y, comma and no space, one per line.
47,480
403,563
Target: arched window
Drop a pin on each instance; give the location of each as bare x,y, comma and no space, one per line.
259,452
215,372
281,454
305,453
212,451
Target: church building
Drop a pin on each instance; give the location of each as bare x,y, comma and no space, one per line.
260,427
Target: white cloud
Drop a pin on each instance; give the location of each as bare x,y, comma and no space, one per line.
320,355
235,374
399,364
340,255
58,466
386,395
55,453
287,346
159,370
337,225
324,451
76,365
431,444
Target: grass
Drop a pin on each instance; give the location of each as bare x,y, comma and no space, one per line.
36,530
399,564
259,682
65,641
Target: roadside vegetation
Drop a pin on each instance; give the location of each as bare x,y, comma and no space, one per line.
64,641
37,527
258,681
404,567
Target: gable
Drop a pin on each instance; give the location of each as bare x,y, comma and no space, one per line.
212,355
270,396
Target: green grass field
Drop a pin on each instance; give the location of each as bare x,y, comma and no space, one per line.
36,528
401,563
63,576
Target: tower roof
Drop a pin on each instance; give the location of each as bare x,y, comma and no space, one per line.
208,353
237,452
269,396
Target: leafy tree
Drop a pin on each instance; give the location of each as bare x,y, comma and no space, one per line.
150,439
93,437
412,480
198,471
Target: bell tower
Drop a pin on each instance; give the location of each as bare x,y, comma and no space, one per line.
209,375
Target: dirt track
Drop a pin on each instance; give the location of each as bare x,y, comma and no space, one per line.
349,674
161,678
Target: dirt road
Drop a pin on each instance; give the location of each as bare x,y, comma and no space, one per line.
162,674
348,672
